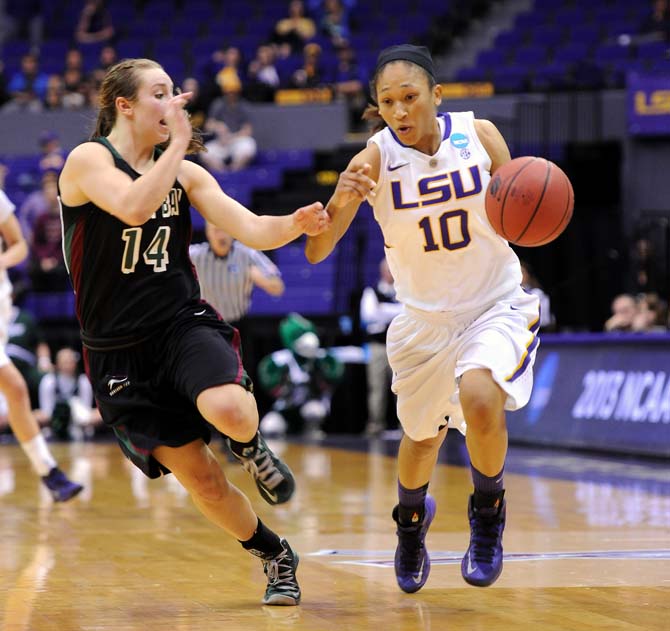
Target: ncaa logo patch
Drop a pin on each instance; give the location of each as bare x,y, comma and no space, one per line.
460,141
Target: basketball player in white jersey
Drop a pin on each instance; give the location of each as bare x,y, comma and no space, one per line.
463,347
12,385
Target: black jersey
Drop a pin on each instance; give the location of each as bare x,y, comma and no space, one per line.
129,280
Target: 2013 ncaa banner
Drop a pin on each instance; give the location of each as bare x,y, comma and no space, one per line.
599,392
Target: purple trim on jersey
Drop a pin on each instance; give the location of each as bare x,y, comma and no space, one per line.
447,124
536,325
447,129
526,360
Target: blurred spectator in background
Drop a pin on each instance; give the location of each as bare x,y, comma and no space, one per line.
645,273
47,267
38,203
228,57
95,23
532,285
378,307
74,59
74,80
53,100
4,91
334,21
27,87
66,399
296,29
197,105
106,60
230,71
233,145
652,314
657,23
108,57
23,20
311,74
300,378
228,271
624,310
262,76
348,84
75,87
53,156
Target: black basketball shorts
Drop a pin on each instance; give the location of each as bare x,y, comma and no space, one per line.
147,392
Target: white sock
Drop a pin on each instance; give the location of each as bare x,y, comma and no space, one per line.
40,457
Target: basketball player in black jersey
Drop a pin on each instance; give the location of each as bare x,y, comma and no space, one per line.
161,361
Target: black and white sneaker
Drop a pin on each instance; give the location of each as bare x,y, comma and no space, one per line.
283,588
274,479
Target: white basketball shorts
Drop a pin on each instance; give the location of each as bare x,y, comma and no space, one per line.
430,351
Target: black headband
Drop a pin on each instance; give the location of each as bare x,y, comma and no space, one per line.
418,55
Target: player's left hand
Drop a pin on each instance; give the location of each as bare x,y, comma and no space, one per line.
312,220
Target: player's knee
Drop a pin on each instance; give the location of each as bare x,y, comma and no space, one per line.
483,414
231,410
426,448
482,401
232,418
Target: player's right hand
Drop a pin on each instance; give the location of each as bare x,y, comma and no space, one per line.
176,119
354,184
311,220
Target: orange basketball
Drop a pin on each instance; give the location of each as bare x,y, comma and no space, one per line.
529,201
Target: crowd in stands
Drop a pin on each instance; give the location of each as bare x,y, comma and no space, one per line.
309,46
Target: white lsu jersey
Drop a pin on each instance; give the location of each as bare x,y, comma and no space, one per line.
441,249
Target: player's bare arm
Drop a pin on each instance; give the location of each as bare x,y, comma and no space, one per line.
355,183
89,174
261,232
16,248
493,142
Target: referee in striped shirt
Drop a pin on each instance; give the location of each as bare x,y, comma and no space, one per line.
228,271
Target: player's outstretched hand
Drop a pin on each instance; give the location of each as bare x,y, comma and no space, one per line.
312,220
354,184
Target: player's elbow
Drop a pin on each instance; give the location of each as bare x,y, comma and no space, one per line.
278,288
22,251
132,214
315,254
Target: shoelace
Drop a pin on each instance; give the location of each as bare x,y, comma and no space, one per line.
410,547
484,538
262,468
280,573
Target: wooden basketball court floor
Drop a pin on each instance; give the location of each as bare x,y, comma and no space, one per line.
587,547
